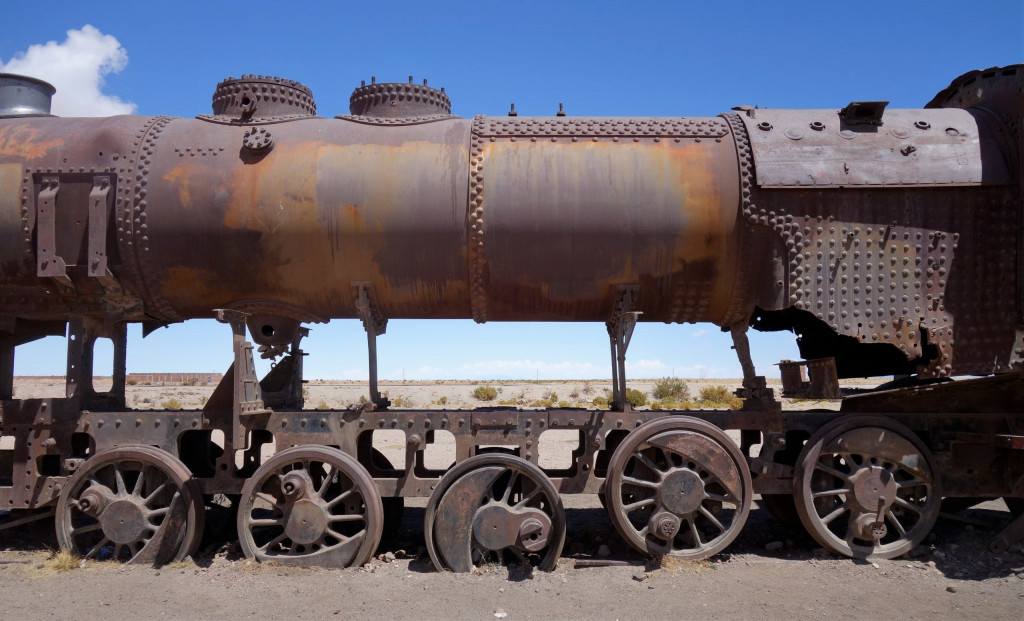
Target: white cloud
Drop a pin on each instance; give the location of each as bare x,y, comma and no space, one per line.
76,68
698,333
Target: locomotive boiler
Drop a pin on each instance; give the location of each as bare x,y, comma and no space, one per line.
889,240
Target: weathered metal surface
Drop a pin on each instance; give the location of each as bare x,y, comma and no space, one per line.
678,486
133,503
887,258
819,381
818,148
313,506
492,504
24,96
866,487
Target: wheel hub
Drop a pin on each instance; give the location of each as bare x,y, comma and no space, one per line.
307,521
872,484
123,521
497,527
682,491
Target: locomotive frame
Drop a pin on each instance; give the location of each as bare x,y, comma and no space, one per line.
866,481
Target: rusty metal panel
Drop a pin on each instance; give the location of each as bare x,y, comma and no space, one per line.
799,148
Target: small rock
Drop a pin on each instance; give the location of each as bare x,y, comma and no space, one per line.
501,590
939,554
389,557
1021,575
40,565
604,551
951,589
773,546
953,547
875,565
501,614
639,576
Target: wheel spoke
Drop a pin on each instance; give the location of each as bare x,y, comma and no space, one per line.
351,517
908,505
119,479
639,482
711,518
843,508
155,493
650,464
333,533
81,530
340,497
896,522
910,483
527,498
328,477
695,533
830,492
720,498
137,490
266,522
96,548
636,505
265,497
508,488
832,471
273,542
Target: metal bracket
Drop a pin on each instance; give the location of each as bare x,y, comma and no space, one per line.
863,112
620,331
248,396
375,324
48,263
99,213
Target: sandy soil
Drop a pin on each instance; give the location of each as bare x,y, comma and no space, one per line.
771,570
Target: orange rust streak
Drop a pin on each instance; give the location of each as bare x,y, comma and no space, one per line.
21,141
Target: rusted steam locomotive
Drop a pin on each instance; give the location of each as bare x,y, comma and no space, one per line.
889,240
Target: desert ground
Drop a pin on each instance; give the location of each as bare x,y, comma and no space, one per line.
772,570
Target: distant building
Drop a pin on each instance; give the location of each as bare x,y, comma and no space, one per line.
174,379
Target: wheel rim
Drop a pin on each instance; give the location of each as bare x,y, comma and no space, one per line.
135,504
849,470
313,506
678,487
494,508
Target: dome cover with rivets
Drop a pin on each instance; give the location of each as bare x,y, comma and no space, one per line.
258,96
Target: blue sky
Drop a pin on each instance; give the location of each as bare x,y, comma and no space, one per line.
599,58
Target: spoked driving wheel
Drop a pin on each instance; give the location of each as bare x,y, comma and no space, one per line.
867,487
313,506
678,486
135,504
494,508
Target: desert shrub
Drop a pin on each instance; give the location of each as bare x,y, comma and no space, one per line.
655,405
636,397
719,396
363,400
671,387
587,388
600,402
574,393
485,393
442,400
171,404
397,402
322,405
550,396
564,404
131,382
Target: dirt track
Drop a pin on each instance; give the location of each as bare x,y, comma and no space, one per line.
954,578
